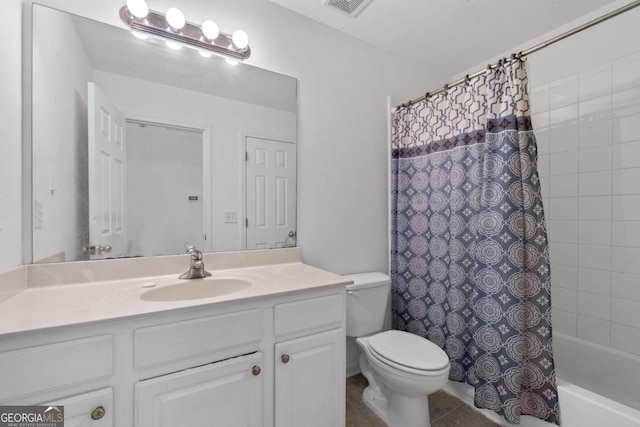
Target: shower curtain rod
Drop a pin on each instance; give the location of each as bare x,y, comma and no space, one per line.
524,53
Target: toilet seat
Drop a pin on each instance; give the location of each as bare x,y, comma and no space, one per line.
408,352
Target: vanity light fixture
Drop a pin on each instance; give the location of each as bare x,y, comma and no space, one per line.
138,8
210,30
175,18
174,27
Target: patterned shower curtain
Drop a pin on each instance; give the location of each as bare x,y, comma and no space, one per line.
470,260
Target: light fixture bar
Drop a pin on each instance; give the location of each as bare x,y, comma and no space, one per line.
155,23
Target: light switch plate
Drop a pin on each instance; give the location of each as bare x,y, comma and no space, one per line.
231,217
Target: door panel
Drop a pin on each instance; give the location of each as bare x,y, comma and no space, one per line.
223,394
270,193
107,176
310,385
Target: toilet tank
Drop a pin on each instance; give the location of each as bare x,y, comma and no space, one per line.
367,301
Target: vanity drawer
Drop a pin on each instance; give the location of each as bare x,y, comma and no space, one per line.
37,369
194,339
309,316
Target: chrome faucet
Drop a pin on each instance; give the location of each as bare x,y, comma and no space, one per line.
196,271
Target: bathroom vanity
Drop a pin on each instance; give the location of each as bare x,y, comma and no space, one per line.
267,354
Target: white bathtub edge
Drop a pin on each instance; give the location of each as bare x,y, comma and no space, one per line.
578,408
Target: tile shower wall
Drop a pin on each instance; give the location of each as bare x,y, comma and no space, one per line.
588,130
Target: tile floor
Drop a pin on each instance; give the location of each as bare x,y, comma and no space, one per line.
445,410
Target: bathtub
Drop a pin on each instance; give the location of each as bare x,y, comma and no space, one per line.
598,386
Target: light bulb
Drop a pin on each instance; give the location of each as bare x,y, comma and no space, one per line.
231,61
240,39
175,18
204,54
139,35
138,8
210,29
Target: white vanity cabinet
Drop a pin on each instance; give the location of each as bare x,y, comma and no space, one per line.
94,409
310,381
310,363
223,394
217,364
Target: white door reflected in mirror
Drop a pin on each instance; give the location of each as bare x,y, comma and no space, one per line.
270,193
107,175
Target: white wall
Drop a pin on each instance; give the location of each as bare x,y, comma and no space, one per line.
11,136
227,121
163,169
60,140
343,82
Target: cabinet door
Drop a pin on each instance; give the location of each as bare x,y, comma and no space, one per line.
310,381
222,394
79,409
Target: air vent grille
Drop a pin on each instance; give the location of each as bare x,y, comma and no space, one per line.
348,7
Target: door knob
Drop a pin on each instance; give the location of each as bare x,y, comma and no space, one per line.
98,413
285,358
256,370
106,248
292,234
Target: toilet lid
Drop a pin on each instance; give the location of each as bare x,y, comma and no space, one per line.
409,350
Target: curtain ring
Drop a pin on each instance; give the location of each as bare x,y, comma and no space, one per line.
427,96
445,87
467,79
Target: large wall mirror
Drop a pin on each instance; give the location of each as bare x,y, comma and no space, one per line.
140,145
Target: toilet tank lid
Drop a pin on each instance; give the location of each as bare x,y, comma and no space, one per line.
368,280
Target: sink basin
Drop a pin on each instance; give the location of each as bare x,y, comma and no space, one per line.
183,290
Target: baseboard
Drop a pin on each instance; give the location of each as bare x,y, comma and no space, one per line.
353,368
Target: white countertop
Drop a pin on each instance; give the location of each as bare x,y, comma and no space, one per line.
71,304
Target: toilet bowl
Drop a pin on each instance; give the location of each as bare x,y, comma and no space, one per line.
402,368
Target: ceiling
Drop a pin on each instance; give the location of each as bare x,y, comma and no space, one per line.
449,35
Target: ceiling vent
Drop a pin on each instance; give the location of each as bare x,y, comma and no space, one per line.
347,7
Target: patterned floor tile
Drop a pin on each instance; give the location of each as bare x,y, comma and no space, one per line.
445,409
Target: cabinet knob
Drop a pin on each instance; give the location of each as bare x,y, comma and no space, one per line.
285,358
89,250
101,248
256,370
98,413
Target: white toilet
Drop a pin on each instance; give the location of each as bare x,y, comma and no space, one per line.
402,368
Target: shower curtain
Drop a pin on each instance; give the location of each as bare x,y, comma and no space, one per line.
470,260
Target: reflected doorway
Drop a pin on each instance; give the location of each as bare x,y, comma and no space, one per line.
165,188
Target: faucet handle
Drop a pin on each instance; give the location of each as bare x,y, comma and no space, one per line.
196,255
